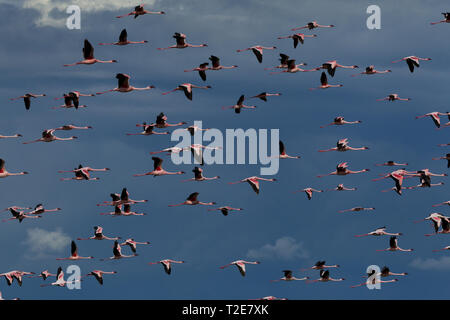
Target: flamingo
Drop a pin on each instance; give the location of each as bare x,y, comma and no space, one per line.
187,89
379,232
239,105
126,211
168,150
98,275
284,58
68,127
215,62
339,121
193,129
48,136
393,97
445,223
44,275
83,173
386,272
15,275
356,209
74,253
445,248
325,277
157,169
324,83
391,163
98,235
119,199
425,184
373,282
283,154
293,68
435,117
132,244
4,173
226,210
181,43
192,201
8,277
201,70
257,51
124,85
75,95
341,170
313,25
332,65
117,253
167,264
139,11
39,209
309,192
240,264
88,55
446,18
412,61
26,98
289,277
341,187
436,218
161,122
123,40
17,135
148,130
298,37
253,182
20,215
72,100
342,145
371,70
441,204
198,176
16,208
60,282
397,176
393,246
263,96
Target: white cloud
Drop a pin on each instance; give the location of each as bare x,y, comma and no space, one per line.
432,264
41,242
284,248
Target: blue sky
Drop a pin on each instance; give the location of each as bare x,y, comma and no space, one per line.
285,230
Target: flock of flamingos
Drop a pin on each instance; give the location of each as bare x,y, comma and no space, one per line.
122,203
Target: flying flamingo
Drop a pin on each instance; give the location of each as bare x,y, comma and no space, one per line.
88,55
20,215
161,122
341,170
225,210
157,169
168,150
293,68
435,117
139,11
8,277
397,176
187,89
98,275
74,253
324,83
298,37
445,248
4,173
379,232
283,154
167,264
394,97
386,272
253,182
446,18
15,275
26,99
263,96
240,264
340,187
373,282
313,25
39,209
68,127
325,277
239,105
181,43
332,65
436,218
412,61
60,282
356,209
98,235
371,70
284,58
441,204
126,211
257,51
342,145
192,201
289,277
124,85
83,173
445,223
148,130
339,121
393,246
117,253
215,62
44,275
391,163
123,40
309,192
47,136
201,70
72,100
119,199
198,175
17,135
132,244
425,184
193,129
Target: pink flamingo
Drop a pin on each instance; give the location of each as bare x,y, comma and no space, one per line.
324,83
356,209
298,37
373,282
240,264
126,211
167,264
198,176
88,54
446,18
391,163
74,253
263,96
284,58
393,246
435,117
293,68
44,275
20,215
98,275
309,192
98,235
72,100
201,70
17,135
379,232
60,282
123,40
253,182
226,210
445,223
393,97
83,173
342,145
181,42
187,89
39,209
239,105
289,277
341,187
325,277
371,70
139,11
26,98
4,173
117,253
48,136
157,169
339,121
119,199
124,85
215,62
192,201
441,204
283,154
161,122
412,61
313,25
68,127
444,248
133,244
257,51
341,170
332,65
148,130
168,150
